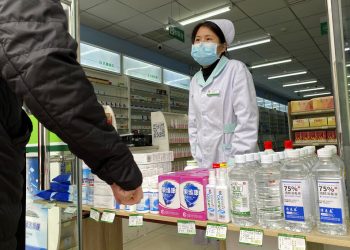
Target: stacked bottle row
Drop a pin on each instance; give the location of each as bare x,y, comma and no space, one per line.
294,190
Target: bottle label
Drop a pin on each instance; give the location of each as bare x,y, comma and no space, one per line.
330,195
293,199
154,202
221,205
240,198
211,202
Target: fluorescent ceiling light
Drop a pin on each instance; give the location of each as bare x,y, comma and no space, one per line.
348,76
249,44
205,15
308,90
288,74
348,65
271,63
299,83
347,49
317,94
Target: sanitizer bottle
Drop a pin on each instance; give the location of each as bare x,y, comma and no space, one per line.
210,195
222,198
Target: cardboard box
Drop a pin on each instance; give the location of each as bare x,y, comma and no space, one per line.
301,123
193,196
169,195
331,136
331,121
312,136
321,136
323,103
301,106
305,136
318,122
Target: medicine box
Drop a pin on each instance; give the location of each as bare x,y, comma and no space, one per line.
169,194
323,103
301,123
301,106
321,136
318,122
331,121
331,136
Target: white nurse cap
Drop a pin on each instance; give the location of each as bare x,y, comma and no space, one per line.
226,27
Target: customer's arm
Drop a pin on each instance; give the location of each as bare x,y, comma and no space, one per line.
38,62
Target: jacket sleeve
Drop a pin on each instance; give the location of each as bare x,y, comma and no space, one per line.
192,123
246,110
38,62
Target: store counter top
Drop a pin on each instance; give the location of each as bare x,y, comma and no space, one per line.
146,149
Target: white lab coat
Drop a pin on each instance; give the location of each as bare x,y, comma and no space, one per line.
223,114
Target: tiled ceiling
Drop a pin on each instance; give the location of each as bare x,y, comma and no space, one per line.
295,32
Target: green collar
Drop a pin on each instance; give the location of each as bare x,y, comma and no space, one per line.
218,69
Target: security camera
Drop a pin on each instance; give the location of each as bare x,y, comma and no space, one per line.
160,46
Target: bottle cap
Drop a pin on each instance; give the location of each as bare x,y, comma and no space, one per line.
266,159
267,145
216,165
333,148
324,152
249,157
288,144
240,159
293,154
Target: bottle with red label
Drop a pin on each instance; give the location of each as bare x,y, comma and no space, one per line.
268,147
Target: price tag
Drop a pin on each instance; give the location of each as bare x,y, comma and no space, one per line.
95,214
70,210
108,216
251,236
135,220
186,227
217,231
291,242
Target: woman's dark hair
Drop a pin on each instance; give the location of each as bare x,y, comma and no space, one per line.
213,27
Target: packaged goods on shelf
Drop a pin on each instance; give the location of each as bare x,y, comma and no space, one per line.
154,157
331,136
102,194
301,106
323,103
331,121
301,123
318,122
169,195
321,136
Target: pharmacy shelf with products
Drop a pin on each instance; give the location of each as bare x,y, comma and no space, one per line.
312,122
170,133
190,197
273,126
146,97
113,90
178,100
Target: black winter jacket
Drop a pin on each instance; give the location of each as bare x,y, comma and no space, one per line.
38,66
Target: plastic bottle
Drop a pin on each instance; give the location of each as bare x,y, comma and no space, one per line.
222,197
242,193
268,193
268,147
276,161
257,159
154,196
312,155
260,155
86,175
211,199
282,157
296,193
144,205
288,145
331,203
251,162
335,155
303,156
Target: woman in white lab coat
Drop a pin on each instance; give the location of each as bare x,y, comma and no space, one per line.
223,113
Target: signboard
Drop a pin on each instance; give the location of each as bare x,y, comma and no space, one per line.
143,70
177,33
98,58
175,79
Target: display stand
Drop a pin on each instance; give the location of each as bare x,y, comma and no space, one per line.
178,100
170,133
113,90
313,237
310,140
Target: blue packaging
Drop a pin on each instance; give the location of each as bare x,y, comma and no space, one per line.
61,187
63,178
64,197
46,194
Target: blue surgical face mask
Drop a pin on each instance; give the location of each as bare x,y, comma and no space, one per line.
204,53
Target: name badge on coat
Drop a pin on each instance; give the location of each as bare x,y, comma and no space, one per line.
213,92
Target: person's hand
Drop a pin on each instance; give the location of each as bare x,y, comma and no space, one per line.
127,197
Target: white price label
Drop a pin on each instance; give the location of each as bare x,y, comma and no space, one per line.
186,227
251,236
291,242
135,220
95,214
70,210
108,216
217,231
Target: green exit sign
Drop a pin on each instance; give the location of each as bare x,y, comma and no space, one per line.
177,33
324,28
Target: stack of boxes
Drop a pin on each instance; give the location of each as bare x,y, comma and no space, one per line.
319,135
182,194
